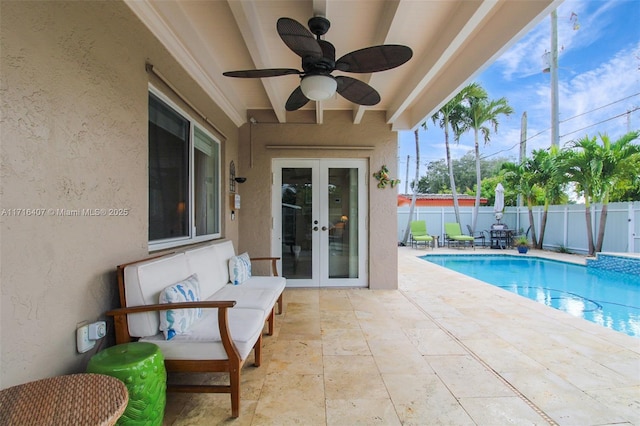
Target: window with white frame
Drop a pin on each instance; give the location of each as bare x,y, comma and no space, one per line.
184,177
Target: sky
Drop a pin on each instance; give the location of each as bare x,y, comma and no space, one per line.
598,85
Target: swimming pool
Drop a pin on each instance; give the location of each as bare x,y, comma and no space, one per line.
610,299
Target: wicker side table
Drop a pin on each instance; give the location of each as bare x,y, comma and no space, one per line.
76,399
141,367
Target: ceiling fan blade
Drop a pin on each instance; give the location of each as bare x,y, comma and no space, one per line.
357,91
374,58
268,72
328,51
298,38
296,100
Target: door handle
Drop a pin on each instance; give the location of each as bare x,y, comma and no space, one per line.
324,228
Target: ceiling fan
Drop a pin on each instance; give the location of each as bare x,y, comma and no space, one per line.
319,61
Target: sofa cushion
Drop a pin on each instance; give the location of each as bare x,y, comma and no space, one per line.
263,299
211,275
204,342
224,252
239,268
179,321
277,284
144,282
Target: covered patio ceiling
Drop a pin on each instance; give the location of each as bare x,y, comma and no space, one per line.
452,42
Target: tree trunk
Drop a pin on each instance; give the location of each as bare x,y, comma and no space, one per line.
476,207
452,181
415,190
543,224
603,223
534,240
587,215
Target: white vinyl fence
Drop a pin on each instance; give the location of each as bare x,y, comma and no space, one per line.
566,224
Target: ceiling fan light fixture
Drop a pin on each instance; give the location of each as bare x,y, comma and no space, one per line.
318,87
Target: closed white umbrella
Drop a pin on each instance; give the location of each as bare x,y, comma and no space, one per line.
499,203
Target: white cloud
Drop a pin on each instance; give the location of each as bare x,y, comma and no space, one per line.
526,58
609,84
584,101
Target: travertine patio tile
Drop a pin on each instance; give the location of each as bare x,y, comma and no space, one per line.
583,372
289,399
623,362
501,411
208,409
373,331
562,401
501,356
398,356
626,401
338,319
301,329
465,328
363,412
353,377
335,300
344,342
296,357
466,377
434,341
302,296
423,399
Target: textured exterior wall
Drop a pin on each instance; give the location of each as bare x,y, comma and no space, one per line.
337,129
74,136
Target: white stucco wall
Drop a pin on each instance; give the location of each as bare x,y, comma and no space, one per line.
74,136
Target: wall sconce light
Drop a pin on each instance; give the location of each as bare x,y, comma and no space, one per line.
240,179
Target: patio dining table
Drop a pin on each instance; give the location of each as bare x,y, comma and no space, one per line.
500,238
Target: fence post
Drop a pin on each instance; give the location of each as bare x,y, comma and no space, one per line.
631,230
565,237
441,224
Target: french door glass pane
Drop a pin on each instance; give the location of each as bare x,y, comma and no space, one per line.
296,223
205,183
343,217
168,172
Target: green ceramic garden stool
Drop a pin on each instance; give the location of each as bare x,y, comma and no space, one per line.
141,367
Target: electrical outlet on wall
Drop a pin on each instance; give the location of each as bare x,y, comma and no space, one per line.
82,339
87,334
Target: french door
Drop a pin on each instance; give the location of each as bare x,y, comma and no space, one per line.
320,221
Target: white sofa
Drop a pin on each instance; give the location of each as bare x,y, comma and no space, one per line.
232,321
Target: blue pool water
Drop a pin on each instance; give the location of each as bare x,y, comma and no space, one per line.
610,299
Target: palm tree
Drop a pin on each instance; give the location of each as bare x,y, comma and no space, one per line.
548,175
451,116
415,187
596,169
521,178
481,115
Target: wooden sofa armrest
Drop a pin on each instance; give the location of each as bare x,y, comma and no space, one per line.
274,264
166,306
122,331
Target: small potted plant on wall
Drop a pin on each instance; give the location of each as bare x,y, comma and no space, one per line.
522,243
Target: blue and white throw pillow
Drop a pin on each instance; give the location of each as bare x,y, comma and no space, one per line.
179,321
239,268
